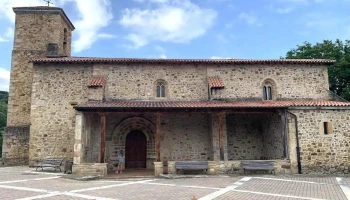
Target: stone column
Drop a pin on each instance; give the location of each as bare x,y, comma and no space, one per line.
292,145
78,144
103,138
158,138
219,136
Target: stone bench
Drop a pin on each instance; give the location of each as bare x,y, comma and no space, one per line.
258,165
55,163
191,165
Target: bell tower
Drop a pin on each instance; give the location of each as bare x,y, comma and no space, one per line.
40,31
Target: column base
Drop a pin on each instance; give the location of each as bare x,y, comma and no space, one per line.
158,168
92,169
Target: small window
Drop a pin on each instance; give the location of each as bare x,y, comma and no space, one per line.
267,93
327,128
65,41
160,89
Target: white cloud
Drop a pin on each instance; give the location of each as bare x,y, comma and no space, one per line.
6,7
93,16
177,21
219,57
4,79
249,19
7,35
163,56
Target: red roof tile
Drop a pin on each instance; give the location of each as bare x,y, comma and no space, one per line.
181,61
215,82
97,81
210,104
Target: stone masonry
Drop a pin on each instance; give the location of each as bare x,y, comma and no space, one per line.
322,153
255,137
34,29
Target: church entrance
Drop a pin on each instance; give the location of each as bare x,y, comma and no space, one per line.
135,150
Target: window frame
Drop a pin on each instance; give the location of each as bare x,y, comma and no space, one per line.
160,89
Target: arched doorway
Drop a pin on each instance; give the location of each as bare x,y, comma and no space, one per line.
135,150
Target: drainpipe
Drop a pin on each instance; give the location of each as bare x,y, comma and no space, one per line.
297,138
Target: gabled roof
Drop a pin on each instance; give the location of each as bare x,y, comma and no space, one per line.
179,61
215,82
208,104
97,81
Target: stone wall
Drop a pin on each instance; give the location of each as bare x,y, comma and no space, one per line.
139,81
93,169
245,81
32,34
232,167
183,137
55,90
273,137
186,82
320,153
254,136
15,145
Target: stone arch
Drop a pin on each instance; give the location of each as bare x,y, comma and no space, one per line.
125,126
269,82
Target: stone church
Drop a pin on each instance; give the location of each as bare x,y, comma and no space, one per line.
161,111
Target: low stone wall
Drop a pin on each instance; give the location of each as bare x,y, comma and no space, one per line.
158,168
15,150
99,169
234,167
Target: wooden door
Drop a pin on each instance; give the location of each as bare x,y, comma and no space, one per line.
135,150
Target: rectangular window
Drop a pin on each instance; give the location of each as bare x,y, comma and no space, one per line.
269,95
264,93
325,128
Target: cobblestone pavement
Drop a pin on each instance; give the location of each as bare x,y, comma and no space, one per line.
26,184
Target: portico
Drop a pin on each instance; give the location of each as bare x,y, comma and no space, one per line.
153,132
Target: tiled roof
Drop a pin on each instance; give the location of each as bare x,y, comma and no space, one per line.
180,61
97,81
210,104
215,82
44,9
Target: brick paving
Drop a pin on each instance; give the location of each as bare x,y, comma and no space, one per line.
23,183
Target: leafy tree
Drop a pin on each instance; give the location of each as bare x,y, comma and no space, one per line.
3,115
339,73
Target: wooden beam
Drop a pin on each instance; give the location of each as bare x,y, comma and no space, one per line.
103,138
221,134
158,137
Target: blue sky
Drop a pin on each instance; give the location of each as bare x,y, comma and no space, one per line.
188,28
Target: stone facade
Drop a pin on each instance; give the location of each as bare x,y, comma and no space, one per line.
255,136
322,153
15,145
34,30
55,91
245,81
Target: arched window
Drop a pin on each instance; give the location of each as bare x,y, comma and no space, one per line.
267,95
160,89
269,90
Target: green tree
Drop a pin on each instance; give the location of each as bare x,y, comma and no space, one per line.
339,73
3,115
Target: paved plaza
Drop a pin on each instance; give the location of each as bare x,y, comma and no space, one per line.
26,184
